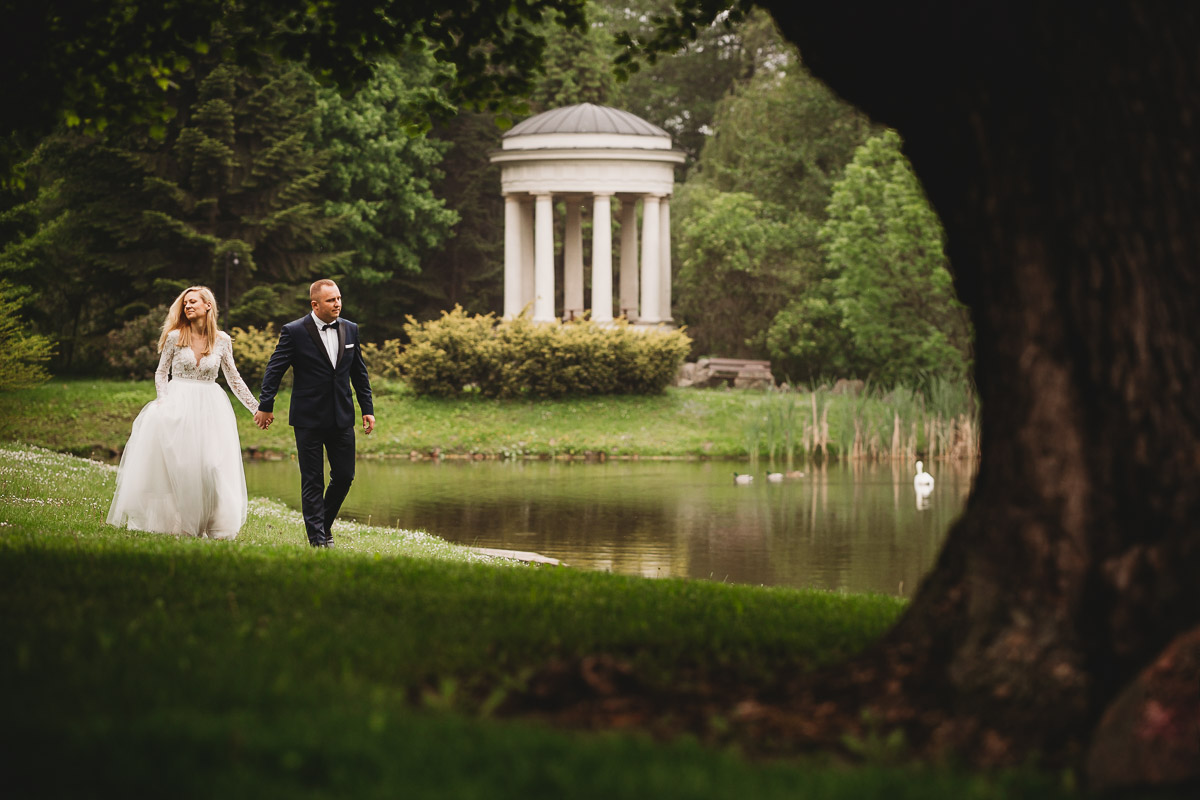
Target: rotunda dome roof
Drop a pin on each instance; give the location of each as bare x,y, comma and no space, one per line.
586,118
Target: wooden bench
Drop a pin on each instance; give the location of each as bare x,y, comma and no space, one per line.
741,373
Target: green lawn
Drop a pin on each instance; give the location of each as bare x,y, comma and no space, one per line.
93,417
145,664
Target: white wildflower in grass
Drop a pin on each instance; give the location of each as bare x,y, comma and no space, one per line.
44,493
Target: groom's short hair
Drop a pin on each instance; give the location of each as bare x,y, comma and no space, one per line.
318,286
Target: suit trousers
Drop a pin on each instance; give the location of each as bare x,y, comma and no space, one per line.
321,505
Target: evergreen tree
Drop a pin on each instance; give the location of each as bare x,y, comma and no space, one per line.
227,197
70,245
233,201
22,354
892,284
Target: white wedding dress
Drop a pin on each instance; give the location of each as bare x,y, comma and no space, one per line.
181,471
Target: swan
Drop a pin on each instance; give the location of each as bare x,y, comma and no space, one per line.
742,479
775,477
923,481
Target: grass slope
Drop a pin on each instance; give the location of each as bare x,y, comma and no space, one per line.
141,663
87,417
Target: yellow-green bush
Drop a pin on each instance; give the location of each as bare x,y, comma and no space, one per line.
383,360
521,358
22,354
252,348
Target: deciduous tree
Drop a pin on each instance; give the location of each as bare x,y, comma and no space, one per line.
382,167
781,139
94,65
682,88
737,265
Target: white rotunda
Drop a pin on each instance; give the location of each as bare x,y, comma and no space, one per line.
587,155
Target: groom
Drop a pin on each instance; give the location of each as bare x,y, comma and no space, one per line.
324,354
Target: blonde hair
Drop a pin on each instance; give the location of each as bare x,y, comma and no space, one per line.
321,284
177,321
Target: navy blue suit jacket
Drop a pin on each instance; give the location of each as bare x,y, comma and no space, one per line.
320,391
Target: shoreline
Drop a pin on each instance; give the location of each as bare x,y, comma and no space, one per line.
92,418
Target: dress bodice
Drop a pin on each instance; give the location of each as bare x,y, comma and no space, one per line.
181,362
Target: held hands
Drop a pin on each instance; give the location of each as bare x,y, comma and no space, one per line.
263,419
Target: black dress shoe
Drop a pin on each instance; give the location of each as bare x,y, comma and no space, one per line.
318,543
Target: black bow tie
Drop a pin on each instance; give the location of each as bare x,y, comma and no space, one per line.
330,325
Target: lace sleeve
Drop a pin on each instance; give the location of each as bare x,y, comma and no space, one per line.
164,364
232,377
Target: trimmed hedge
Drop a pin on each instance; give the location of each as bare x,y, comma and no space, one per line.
520,358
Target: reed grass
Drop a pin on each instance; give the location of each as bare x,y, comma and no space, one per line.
813,424
873,424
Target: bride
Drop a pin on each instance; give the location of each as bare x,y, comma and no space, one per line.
181,471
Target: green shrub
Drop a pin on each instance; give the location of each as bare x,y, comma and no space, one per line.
252,349
521,358
383,360
22,354
446,355
133,348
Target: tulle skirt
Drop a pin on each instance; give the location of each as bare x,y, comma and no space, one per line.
181,471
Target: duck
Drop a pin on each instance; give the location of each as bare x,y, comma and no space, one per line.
742,480
923,481
793,474
775,477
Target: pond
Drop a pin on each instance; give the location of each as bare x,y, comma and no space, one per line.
856,528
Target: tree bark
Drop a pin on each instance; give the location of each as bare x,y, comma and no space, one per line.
1061,147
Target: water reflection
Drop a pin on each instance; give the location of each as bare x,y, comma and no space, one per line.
854,528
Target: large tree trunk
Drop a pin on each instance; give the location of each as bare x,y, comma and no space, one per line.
1061,148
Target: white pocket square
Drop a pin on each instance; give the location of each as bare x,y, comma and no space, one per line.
349,346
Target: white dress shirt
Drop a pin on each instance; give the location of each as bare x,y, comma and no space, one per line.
329,337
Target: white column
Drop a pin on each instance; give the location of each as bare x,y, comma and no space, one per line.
651,274
602,310
543,259
573,262
527,291
629,259
512,256
664,259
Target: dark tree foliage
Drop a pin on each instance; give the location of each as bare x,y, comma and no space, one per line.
682,90
92,65
468,269
227,198
380,183
237,179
